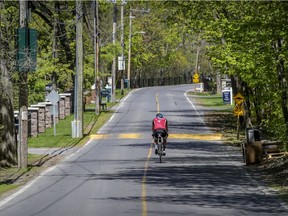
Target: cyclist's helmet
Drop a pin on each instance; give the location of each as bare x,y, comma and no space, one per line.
159,115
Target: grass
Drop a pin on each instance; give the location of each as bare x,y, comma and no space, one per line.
63,138
209,100
7,187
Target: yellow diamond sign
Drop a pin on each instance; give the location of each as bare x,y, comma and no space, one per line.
196,78
238,98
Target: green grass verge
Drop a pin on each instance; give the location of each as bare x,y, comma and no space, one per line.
209,100
48,140
63,138
7,187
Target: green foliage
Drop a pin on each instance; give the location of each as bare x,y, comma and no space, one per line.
242,39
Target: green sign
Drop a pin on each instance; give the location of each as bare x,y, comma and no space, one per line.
26,49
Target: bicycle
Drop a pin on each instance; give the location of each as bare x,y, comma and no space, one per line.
160,145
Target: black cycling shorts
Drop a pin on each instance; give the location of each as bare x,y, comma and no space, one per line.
162,131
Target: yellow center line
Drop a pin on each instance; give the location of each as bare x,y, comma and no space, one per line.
144,202
157,103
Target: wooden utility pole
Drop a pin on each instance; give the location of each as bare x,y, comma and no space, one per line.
23,98
96,60
114,59
54,47
129,49
122,46
130,41
77,124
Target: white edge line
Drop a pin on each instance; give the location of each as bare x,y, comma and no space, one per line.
111,118
202,121
25,187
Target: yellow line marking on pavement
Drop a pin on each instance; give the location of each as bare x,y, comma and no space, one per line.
98,136
157,103
144,179
130,136
171,136
196,136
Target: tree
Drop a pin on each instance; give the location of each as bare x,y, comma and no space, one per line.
8,149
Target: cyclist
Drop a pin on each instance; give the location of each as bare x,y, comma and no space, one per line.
160,124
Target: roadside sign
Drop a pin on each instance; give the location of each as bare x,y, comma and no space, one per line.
121,63
196,78
238,98
238,110
53,97
227,96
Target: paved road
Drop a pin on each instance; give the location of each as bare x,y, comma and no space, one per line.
116,173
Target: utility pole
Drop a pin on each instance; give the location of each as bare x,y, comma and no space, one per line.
130,41
96,60
129,49
197,60
77,124
23,97
114,59
122,46
54,48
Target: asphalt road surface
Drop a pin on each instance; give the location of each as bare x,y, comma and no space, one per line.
117,173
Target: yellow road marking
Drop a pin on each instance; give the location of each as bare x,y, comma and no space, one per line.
98,136
196,136
171,136
144,201
130,136
157,103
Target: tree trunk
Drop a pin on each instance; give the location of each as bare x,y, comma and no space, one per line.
8,148
282,83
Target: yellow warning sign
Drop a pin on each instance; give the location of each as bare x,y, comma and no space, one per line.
238,98
238,110
196,78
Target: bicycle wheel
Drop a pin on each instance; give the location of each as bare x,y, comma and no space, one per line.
160,151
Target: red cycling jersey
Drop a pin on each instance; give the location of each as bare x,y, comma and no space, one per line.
159,123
